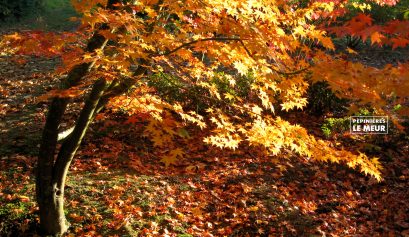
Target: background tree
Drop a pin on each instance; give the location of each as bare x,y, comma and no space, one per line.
10,9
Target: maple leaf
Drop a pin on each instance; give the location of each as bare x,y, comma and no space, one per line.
327,43
241,68
172,157
132,120
364,18
399,42
197,211
229,96
351,51
376,37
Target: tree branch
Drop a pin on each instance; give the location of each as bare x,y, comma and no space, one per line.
71,144
226,39
55,113
290,73
194,42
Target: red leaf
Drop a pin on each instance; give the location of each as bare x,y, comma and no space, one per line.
399,42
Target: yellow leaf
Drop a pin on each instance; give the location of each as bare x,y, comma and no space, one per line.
351,51
24,198
241,68
168,160
197,211
253,208
228,96
177,152
172,157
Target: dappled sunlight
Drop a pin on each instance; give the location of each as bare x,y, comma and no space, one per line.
204,118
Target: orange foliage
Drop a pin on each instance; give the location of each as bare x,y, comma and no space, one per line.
192,39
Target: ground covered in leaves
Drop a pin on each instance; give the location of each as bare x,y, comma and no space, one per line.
117,186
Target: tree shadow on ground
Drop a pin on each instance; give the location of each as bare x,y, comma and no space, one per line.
21,116
184,204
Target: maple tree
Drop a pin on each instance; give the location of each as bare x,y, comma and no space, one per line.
280,45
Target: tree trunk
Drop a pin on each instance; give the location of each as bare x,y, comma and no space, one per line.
52,216
50,196
52,171
50,185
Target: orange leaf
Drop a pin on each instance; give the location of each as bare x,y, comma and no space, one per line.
376,37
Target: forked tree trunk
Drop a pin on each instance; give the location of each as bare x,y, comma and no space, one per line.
50,195
52,171
51,175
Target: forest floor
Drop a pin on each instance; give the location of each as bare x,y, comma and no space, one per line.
117,186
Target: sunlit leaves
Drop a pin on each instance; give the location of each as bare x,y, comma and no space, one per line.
393,33
376,38
38,43
355,80
225,133
241,68
366,165
269,44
